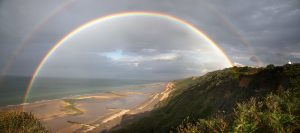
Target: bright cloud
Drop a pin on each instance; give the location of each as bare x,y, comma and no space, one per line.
136,59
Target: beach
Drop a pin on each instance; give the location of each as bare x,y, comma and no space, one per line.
97,112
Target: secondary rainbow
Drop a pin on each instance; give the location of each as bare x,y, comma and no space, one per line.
119,15
12,58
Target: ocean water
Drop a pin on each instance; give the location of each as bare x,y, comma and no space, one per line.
12,89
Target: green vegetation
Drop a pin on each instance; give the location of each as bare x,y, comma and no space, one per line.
194,104
275,113
20,122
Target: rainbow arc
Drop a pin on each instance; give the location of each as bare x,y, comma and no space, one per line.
120,15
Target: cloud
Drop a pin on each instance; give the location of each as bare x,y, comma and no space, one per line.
267,29
136,59
163,57
204,70
296,54
149,50
254,59
238,64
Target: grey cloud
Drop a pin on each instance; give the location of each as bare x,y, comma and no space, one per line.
254,59
248,31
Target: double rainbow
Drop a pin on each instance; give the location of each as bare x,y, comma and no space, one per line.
114,16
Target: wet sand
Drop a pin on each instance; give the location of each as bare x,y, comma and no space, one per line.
97,112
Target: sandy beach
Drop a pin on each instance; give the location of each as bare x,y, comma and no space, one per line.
97,112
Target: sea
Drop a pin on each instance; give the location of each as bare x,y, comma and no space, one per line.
13,88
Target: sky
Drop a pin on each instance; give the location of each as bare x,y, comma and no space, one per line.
254,33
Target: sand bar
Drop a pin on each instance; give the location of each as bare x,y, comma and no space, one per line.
97,112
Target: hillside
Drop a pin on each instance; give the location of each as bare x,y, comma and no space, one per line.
220,92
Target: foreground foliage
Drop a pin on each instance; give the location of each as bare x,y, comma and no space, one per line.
20,122
275,113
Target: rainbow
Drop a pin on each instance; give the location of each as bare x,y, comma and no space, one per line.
36,28
114,16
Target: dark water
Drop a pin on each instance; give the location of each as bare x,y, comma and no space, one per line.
12,89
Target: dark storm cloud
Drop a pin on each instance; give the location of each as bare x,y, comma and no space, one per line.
248,31
254,59
271,26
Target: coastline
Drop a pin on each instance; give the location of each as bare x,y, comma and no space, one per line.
114,89
95,112
114,120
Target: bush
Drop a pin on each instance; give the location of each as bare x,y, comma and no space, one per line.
275,113
20,122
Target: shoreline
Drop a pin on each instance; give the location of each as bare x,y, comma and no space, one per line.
113,121
115,89
95,112
126,88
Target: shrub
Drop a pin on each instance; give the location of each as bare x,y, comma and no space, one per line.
275,113
20,122
247,116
